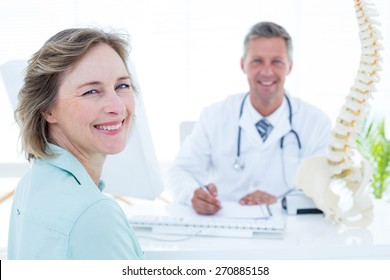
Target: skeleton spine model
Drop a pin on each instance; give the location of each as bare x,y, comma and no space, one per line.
339,176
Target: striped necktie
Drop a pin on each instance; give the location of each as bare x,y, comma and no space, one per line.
264,128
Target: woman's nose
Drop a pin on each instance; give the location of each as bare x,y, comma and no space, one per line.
114,104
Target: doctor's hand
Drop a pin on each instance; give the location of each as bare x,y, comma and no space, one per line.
205,200
258,197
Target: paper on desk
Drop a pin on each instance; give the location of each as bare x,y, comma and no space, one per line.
230,209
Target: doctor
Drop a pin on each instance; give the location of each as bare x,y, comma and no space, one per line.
248,147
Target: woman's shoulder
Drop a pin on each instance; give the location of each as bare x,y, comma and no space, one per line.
54,192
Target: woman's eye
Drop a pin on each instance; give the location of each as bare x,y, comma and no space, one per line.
123,86
91,91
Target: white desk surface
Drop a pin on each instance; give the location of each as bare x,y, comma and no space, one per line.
306,237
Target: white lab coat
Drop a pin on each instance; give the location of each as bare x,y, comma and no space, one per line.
208,153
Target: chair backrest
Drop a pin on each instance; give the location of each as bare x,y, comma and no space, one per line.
185,129
13,73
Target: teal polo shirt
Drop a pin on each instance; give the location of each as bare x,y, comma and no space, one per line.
58,213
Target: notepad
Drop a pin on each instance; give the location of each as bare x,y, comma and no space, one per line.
230,209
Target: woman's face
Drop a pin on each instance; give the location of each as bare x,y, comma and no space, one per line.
95,103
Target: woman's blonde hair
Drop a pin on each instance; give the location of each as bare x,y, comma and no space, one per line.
43,76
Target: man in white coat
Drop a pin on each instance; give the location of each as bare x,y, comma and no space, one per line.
248,147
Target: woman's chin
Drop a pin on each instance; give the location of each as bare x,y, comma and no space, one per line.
113,150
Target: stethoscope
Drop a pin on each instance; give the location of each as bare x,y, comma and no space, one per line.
238,163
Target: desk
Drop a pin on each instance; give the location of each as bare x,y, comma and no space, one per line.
307,237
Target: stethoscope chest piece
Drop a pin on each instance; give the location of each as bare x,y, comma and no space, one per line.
238,164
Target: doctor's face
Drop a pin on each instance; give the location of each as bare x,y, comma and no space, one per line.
266,65
94,105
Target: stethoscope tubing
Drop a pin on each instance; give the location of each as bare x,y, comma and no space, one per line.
238,164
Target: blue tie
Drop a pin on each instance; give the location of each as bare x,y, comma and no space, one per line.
264,128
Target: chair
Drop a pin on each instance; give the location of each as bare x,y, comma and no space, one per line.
12,74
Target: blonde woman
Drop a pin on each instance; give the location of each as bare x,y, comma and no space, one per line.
76,107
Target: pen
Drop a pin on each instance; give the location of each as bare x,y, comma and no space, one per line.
202,186
205,189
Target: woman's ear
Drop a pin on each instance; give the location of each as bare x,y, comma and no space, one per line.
49,116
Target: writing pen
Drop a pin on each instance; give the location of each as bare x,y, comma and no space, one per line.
203,186
200,185
205,189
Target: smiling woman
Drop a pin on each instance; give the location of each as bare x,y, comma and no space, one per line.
76,107
92,115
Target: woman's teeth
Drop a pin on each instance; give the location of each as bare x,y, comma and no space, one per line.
109,127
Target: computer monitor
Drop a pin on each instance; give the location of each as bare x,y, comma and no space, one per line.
135,171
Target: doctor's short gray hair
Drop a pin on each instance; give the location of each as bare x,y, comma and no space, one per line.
268,30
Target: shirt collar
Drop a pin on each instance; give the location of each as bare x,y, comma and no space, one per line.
273,118
69,163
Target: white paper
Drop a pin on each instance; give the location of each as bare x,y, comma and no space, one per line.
230,209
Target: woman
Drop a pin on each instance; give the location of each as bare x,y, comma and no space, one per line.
75,108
